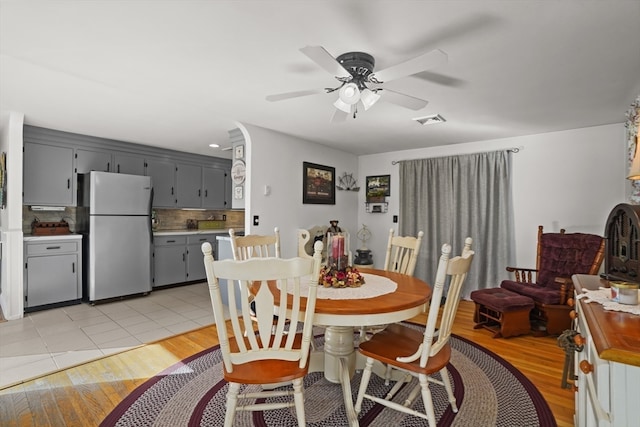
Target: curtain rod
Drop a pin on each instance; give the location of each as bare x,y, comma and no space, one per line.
512,150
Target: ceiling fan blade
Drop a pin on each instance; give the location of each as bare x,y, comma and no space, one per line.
288,95
403,100
339,116
320,56
420,63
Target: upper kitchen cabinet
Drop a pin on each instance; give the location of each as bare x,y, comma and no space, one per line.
53,159
216,186
163,180
189,184
90,160
128,163
48,175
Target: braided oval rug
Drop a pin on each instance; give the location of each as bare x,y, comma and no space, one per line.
489,392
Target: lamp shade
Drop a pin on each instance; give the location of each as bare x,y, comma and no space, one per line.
368,98
340,105
634,171
350,94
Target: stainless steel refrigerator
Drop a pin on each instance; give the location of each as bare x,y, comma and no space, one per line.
115,216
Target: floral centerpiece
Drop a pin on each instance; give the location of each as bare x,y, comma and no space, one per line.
349,277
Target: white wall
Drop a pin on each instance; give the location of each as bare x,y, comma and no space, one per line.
275,160
11,286
570,179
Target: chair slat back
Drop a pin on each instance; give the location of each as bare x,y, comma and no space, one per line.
402,253
242,343
255,246
456,270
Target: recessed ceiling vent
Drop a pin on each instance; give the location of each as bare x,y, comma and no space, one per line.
430,120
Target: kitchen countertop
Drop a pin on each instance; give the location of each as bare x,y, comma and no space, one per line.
220,231
29,237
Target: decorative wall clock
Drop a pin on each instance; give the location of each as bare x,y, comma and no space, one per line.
238,172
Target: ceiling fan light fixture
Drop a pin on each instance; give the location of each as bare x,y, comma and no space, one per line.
342,106
350,94
368,98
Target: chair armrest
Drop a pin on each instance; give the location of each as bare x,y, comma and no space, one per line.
523,275
566,288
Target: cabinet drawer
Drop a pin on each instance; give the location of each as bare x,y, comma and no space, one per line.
51,248
201,238
170,240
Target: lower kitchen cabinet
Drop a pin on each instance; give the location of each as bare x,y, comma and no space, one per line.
169,260
52,271
178,258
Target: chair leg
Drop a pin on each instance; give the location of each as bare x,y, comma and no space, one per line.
387,375
232,401
298,398
426,400
364,382
447,385
412,396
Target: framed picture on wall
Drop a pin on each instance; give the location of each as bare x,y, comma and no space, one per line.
378,187
318,184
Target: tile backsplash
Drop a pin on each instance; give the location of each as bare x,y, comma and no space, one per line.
168,219
176,219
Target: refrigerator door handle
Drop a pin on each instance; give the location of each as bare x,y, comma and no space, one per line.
150,216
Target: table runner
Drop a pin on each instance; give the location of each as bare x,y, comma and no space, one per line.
603,296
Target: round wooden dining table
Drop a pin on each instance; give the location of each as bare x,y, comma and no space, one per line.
338,359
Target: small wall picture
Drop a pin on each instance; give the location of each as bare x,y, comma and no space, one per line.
318,184
237,192
378,186
239,152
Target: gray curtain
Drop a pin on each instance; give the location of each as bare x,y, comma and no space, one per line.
450,198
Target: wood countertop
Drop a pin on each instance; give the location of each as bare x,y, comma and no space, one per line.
616,335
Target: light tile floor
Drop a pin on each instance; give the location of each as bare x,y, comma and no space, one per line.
49,340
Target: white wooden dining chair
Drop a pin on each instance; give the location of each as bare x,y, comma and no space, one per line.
402,253
264,355
255,246
401,257
420,354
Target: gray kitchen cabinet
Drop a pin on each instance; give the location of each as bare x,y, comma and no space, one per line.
178,258
169,260
189,185
52,159
89,160
216,186
195,258
48,177
52,272
128,163
163,179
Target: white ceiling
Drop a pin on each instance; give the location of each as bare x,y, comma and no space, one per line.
180,74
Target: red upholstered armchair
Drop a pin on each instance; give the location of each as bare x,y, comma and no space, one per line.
560,255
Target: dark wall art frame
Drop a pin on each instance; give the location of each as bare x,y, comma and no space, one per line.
378,186
318,184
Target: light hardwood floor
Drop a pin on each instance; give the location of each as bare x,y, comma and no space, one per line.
84,395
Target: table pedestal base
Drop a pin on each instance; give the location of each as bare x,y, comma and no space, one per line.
338,346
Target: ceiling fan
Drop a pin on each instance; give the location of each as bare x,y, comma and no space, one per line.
359,84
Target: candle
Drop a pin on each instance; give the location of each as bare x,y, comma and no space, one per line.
337,246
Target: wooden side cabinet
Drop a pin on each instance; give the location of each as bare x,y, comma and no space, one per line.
608,367
52,271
